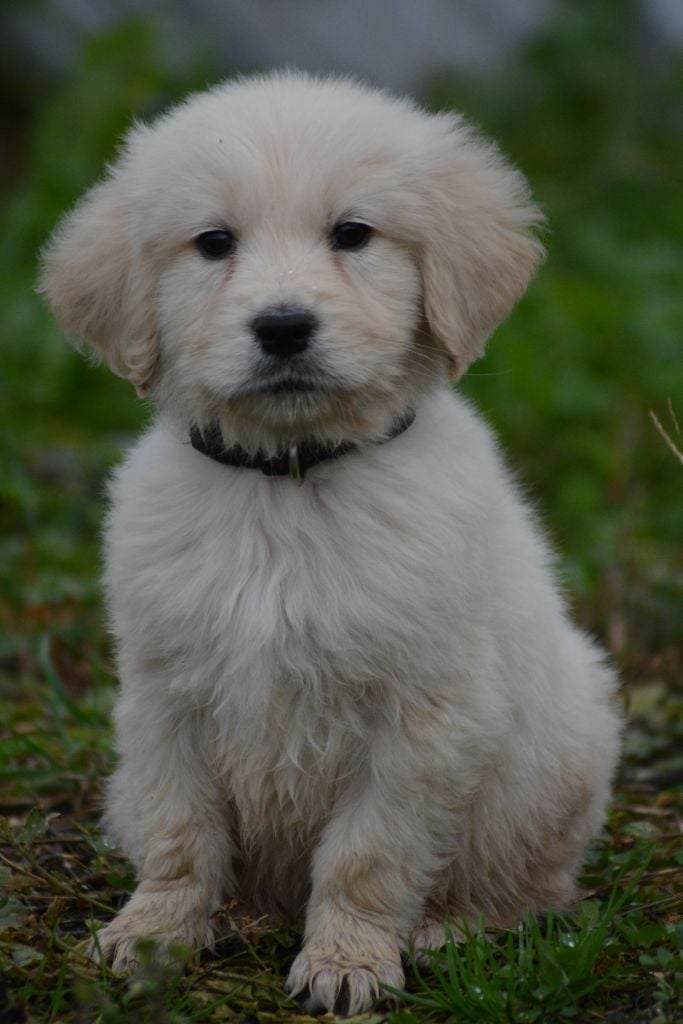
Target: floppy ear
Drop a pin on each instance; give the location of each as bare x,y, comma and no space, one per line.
99,287
481,252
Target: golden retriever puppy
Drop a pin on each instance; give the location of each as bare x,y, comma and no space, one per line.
349,686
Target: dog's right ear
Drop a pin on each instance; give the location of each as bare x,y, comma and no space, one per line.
98,286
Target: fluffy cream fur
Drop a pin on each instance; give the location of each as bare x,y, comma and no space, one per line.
360,697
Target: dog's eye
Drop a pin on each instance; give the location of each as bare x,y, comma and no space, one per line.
352,234
215,245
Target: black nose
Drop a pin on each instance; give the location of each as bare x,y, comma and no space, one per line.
284,332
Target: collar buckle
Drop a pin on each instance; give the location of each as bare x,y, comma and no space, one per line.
295,471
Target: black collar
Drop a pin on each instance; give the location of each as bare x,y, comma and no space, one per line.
295,461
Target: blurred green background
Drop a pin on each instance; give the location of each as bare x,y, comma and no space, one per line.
569,381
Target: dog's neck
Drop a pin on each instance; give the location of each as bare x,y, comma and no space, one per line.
295,460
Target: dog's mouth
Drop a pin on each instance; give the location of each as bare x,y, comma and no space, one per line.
290,386
292,381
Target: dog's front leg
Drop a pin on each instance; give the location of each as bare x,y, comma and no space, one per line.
166,809
372,870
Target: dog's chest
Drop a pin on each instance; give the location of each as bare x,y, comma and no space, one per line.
297,619
243,592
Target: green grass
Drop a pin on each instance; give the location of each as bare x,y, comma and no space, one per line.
569,383
550,970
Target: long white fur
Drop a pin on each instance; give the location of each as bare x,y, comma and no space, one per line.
360,697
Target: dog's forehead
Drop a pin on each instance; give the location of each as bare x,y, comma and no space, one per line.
284,147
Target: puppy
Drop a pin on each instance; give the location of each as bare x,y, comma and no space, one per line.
349,686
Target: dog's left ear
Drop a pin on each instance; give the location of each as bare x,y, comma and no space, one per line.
481,252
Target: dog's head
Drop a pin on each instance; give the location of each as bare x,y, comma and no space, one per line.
294,257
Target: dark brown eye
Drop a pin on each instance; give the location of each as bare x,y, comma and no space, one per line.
352,234
215,245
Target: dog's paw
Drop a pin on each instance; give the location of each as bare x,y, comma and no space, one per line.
429,936
132,937
116,947
331,981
